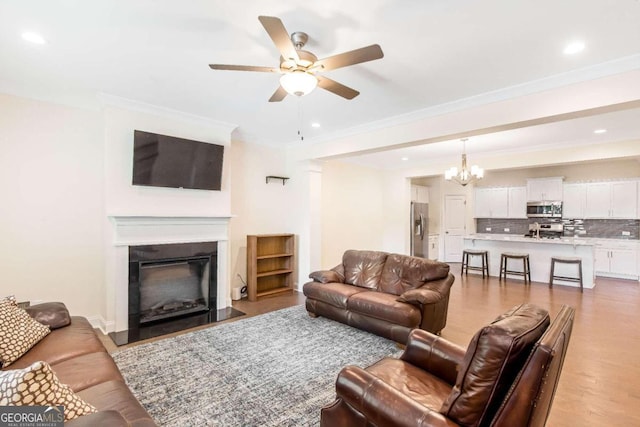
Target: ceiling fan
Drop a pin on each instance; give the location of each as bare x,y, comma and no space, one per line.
299,67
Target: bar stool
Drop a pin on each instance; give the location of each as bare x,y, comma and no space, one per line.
566,260
484,257
526,267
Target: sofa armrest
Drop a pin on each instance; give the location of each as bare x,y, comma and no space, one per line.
382,404
433,354
336,274
53,314
420,296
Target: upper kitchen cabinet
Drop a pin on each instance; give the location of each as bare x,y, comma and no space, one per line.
544,189
574,200
612,200
492,203
420,194
517,202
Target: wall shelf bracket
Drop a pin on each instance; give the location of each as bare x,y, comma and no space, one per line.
283,178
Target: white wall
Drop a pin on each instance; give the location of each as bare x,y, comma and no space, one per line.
353,210
51,210
123,198
257,207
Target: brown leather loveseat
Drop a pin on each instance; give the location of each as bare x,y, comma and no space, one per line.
506,377
80,360
386,294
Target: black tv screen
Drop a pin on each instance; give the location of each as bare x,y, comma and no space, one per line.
167,161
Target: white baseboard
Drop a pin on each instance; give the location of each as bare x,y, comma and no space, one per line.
99,323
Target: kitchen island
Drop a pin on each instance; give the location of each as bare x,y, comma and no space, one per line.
540,252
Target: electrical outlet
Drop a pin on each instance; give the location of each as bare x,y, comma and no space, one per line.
626,233
487,229
506,230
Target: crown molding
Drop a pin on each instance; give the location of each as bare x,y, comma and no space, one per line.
142,107
618,66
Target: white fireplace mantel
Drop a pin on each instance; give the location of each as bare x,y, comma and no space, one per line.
131,230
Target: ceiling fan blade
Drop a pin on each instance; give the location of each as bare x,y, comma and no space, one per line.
244,68
278,95
280,36
352,57
337,88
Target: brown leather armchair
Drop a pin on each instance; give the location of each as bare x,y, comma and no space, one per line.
506,377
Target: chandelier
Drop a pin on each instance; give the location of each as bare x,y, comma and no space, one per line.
464,175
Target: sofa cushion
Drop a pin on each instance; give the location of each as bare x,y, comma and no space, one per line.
61,344
18,331
493,359
116,396
419,384
87,370
385,307
402,273
335,294
38,385
363,268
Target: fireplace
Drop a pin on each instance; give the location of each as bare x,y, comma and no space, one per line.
172,287
171,280
166,248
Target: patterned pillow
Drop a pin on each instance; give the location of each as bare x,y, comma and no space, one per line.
18,331
38,385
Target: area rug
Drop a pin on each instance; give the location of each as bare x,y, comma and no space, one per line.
276,369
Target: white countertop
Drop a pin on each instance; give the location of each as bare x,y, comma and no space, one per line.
575,241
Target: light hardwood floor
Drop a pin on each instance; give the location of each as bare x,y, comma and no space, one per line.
600,381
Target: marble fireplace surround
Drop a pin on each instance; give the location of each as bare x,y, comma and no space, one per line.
146,230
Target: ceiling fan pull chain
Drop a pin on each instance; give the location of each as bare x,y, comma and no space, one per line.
300,118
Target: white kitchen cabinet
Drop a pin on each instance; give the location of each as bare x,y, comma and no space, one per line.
517,202
624,199
574,200
611,200
420,194
544,189
491,203
617,259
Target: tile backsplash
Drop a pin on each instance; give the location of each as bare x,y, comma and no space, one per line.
626,229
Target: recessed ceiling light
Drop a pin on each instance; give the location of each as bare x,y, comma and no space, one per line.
574,47
599,131
34,38
315,125
404,159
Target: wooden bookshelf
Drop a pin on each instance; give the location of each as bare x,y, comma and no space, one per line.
271,265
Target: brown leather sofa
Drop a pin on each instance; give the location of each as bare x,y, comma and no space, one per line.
386,294
80,361
506,377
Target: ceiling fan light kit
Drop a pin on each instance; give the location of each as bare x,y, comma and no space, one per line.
299,67
298,82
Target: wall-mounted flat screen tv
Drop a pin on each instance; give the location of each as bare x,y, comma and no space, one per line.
167,161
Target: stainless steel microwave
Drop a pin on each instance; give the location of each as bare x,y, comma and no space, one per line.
544,209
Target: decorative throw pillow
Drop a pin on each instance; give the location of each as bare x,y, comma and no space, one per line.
18,331
38,385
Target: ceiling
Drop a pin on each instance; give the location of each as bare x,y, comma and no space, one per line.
436,52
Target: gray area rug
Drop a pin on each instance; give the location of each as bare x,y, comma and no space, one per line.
277,369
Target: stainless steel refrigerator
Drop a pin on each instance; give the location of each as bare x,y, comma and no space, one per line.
419,229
